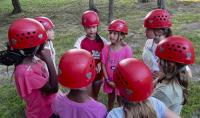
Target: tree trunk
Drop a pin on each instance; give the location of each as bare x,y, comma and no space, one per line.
161,4
143,1
92,6
111,11
16,6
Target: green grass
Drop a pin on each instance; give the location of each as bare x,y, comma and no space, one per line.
66,16
193,100
11,105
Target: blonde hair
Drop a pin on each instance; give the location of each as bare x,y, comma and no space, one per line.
142,109
179,74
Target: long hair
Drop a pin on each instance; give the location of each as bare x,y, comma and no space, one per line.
142,109
178,73
167,32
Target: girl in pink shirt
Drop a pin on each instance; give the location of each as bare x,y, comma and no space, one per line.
93,43
111,55
35,78
77,75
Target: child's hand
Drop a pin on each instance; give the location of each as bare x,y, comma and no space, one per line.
112,84
98,68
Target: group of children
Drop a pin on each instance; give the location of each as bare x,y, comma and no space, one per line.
94,62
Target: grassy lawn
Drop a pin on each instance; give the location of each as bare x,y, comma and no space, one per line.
66,16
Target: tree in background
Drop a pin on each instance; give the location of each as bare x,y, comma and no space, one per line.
92,6
143,1
16,6
111,11
161,4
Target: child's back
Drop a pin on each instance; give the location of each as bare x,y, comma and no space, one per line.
34,76
77,75
67,108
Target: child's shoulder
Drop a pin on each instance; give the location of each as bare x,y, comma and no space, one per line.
96,103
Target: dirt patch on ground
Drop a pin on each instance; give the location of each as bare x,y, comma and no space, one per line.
195,72
191,27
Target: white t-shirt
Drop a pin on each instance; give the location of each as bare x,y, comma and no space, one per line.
49,46
148,55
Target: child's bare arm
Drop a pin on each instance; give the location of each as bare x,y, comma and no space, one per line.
52,85
111,83
104,71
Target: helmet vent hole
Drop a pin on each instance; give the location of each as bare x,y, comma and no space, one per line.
28,33
173,45
178,46
32,36
34,32
180,51
168,45
22,34
174,50
169,49
184,48
27,37
21,38
17,35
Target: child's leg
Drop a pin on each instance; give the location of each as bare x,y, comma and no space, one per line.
119,100
111,100
96,85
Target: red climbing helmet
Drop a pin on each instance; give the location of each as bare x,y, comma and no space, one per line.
158,18
90,18
177,49
133,79
26,33
76,69
119,26
46,22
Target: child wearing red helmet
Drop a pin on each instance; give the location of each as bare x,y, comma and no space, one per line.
77,76
48,25
175,53
111,55
135,83
35,78
93,43
158,24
